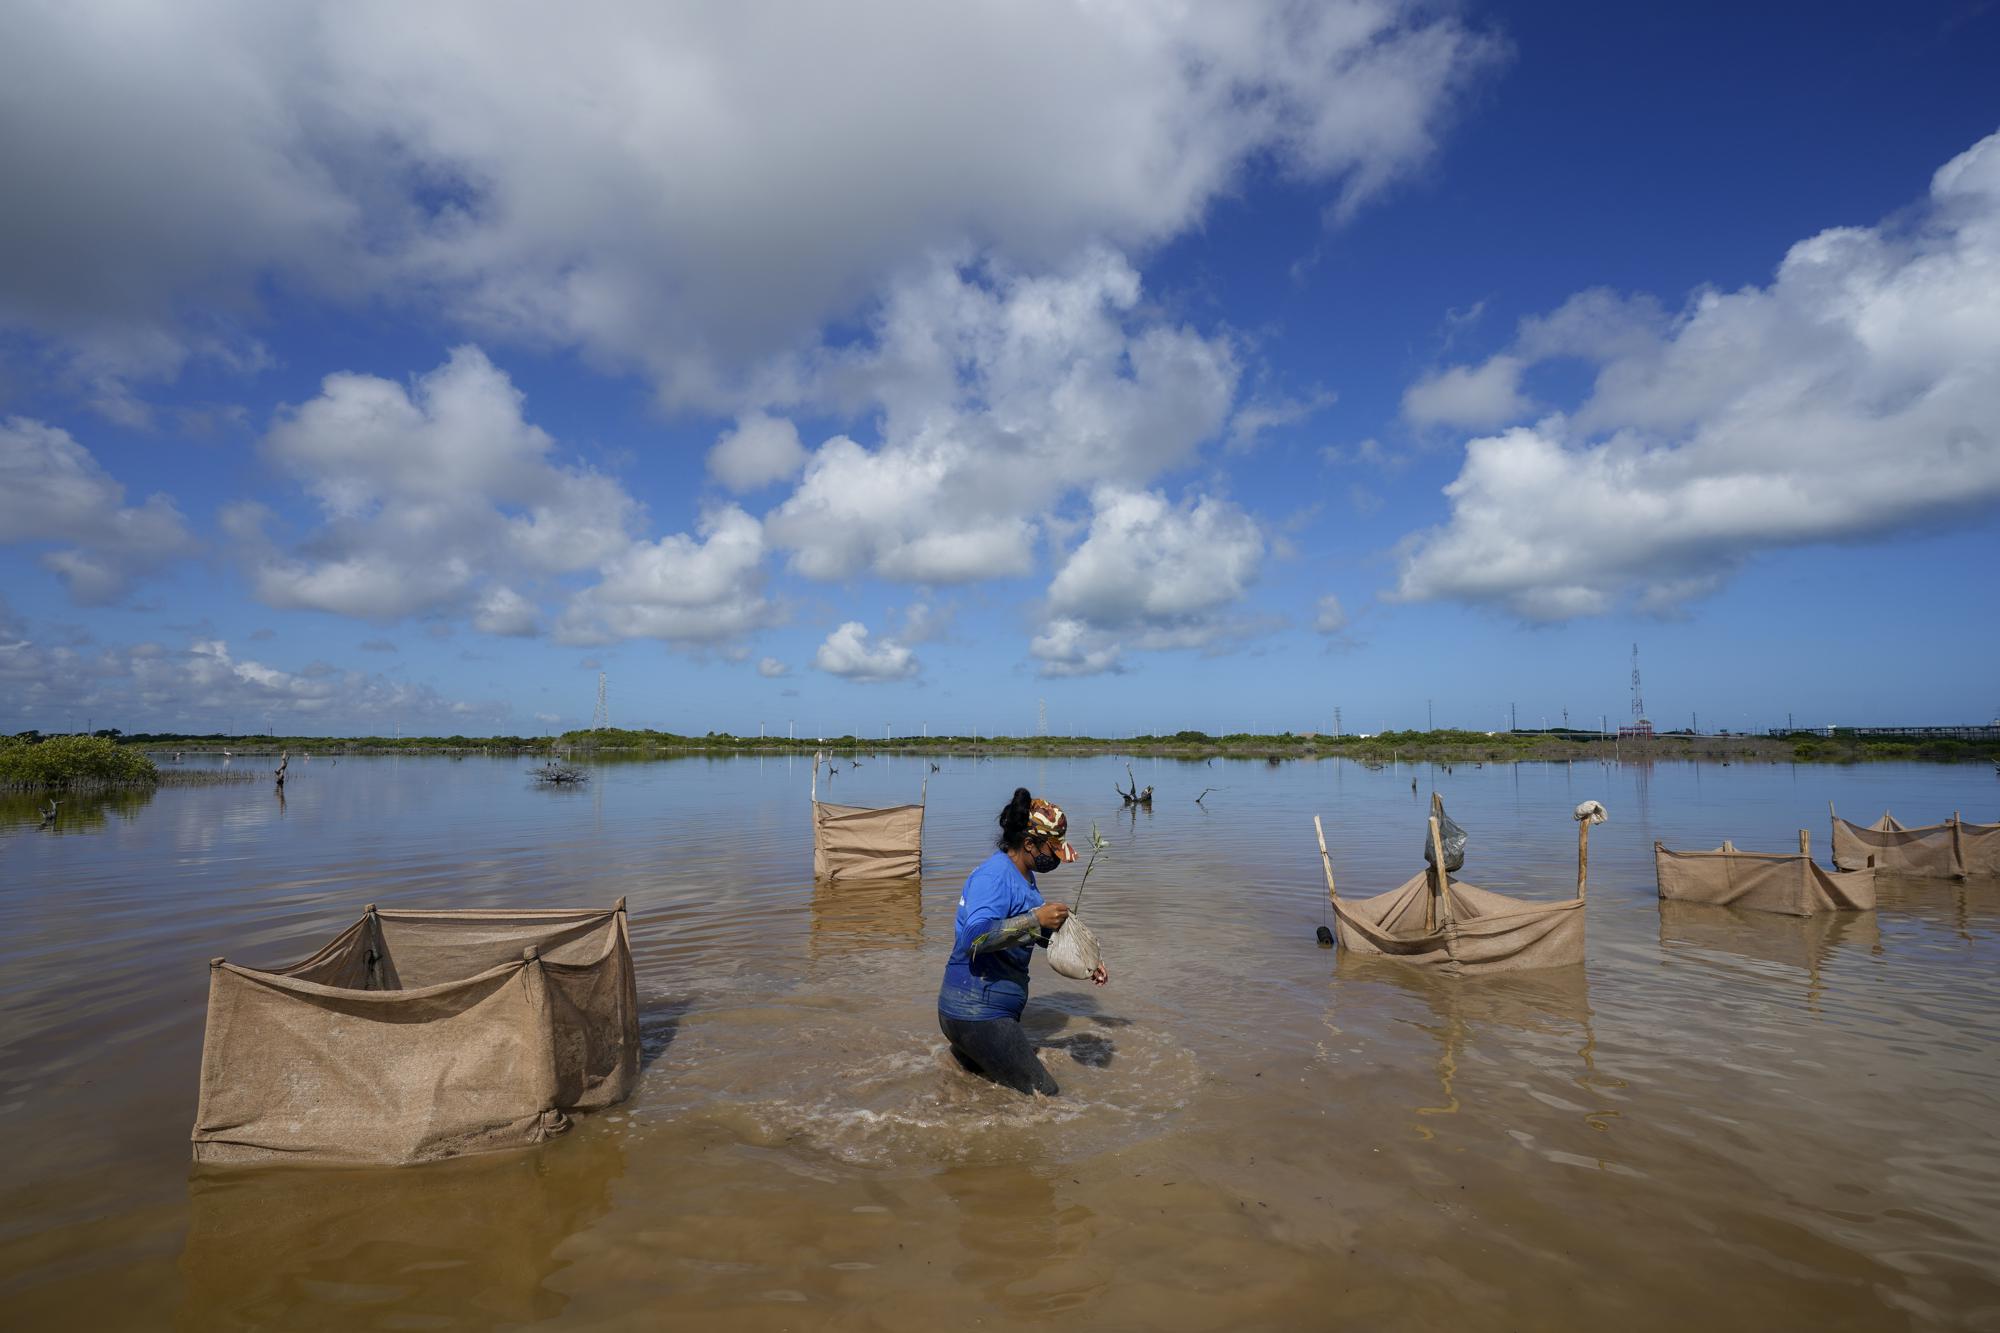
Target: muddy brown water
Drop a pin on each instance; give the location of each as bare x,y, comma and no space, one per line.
1722,1118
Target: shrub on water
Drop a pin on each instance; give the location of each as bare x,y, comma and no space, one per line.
59,761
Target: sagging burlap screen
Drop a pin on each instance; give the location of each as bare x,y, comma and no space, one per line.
1464,928
420,1035
1476,929
1781,882
859,842
1950,850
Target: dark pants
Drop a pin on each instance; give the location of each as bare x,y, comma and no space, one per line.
997,1048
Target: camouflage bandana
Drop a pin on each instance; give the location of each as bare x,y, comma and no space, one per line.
1046,820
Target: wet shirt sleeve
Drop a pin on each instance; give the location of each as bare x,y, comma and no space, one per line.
986,904
998,915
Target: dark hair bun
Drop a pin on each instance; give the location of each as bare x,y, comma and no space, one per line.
1014,819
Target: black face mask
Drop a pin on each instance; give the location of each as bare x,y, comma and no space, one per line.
1045,862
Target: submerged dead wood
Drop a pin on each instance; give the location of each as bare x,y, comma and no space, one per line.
1134,796
553,774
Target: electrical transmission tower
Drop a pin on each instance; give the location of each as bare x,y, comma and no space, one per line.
1041,717
1336,719
601,718
1638,701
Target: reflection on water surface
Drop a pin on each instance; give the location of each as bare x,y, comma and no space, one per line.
1734,1117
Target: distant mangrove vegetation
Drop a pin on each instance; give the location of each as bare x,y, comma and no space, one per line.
33,762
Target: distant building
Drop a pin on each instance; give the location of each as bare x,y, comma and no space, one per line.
1641,730
1990,732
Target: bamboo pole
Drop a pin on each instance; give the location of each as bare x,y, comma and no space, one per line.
1805,843
1438,906
1325,861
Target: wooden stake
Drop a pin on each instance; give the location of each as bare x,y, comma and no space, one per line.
1583,855
1805,843
1325,861
1438,907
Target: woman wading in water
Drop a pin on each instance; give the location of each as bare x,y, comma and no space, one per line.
1001,918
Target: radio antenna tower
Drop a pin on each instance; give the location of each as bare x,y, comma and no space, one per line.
1041,717
1638,701
601,719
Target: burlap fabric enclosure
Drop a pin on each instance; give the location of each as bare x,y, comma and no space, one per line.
855,842
1477,930
1783,882
860,842
1436,921
1950,850
420,1035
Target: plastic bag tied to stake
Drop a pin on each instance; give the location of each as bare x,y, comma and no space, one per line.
1453,837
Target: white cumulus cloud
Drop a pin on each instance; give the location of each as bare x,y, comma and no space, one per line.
206,687
503,611
1852,396
703,589
430,493
1148,575
53,490
442,498
678,188
999,392
1483,395
760,450
848,653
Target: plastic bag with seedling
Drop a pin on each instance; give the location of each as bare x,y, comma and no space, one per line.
1073,948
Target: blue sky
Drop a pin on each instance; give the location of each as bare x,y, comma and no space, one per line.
899,365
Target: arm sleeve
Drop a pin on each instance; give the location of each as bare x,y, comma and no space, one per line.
1006,934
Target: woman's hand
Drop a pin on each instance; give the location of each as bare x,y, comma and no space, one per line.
1052,915
1100,976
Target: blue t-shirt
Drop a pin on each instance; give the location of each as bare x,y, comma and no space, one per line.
993,984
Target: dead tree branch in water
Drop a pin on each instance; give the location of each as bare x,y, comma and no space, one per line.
1134,796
